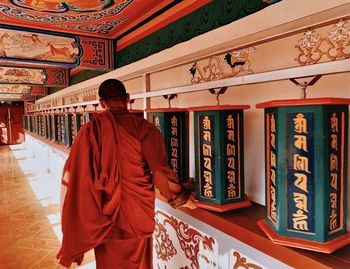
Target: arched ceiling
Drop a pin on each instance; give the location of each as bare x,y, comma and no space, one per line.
38,26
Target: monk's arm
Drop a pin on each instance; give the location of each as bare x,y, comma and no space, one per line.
164,178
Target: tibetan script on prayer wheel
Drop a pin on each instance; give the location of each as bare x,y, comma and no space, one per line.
219,157
306,150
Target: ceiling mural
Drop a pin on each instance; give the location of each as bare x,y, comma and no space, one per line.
59,6
11,96
36,46
14,75
53,77
100,18
41,41
68,51
15,89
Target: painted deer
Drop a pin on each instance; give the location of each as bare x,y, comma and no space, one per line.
59,51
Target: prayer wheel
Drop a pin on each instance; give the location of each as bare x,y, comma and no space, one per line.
173,124
68,136
55,125
47,126
75,126
219,157
306,173
86,117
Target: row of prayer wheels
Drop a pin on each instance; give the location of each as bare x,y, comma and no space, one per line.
305,165
305,162
60,127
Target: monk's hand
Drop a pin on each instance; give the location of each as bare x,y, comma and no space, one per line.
189,203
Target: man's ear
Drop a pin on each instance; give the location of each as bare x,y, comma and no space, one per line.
103,104
127,98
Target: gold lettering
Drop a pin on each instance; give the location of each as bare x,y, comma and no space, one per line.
273,211
333,220
174,142
300,220
174,152
174,163
207,177
333,199
334,162
231,176
231,162
230,150
273,159
207,163
156,121
300,201
230,123
334,142
273,176
207,150
273,123
334,123
174,121
334,180
231,191
230,135
174,131
273,141
300,142
206,123
208,190
301,181
207,136
300,124
300,163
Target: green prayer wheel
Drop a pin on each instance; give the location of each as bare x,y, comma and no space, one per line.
68,136
55,124
173,124
75,125
219,157
306,173
48,126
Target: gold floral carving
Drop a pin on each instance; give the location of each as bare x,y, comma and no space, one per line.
189,239
241,262
218,67
313,47
164,246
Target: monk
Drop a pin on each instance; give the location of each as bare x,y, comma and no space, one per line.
116,162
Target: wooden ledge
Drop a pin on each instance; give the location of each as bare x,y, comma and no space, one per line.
242,225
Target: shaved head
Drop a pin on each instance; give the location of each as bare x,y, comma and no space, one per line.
112,90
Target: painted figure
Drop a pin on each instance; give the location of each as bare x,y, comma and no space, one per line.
115,162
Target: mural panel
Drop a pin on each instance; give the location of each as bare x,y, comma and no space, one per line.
36,46
34,76
70,51
17,75
11,96
15,89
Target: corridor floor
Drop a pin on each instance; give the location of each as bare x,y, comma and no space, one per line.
29,214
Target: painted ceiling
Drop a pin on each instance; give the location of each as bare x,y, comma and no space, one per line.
98,18
41,40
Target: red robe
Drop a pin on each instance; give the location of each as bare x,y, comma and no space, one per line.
113,166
